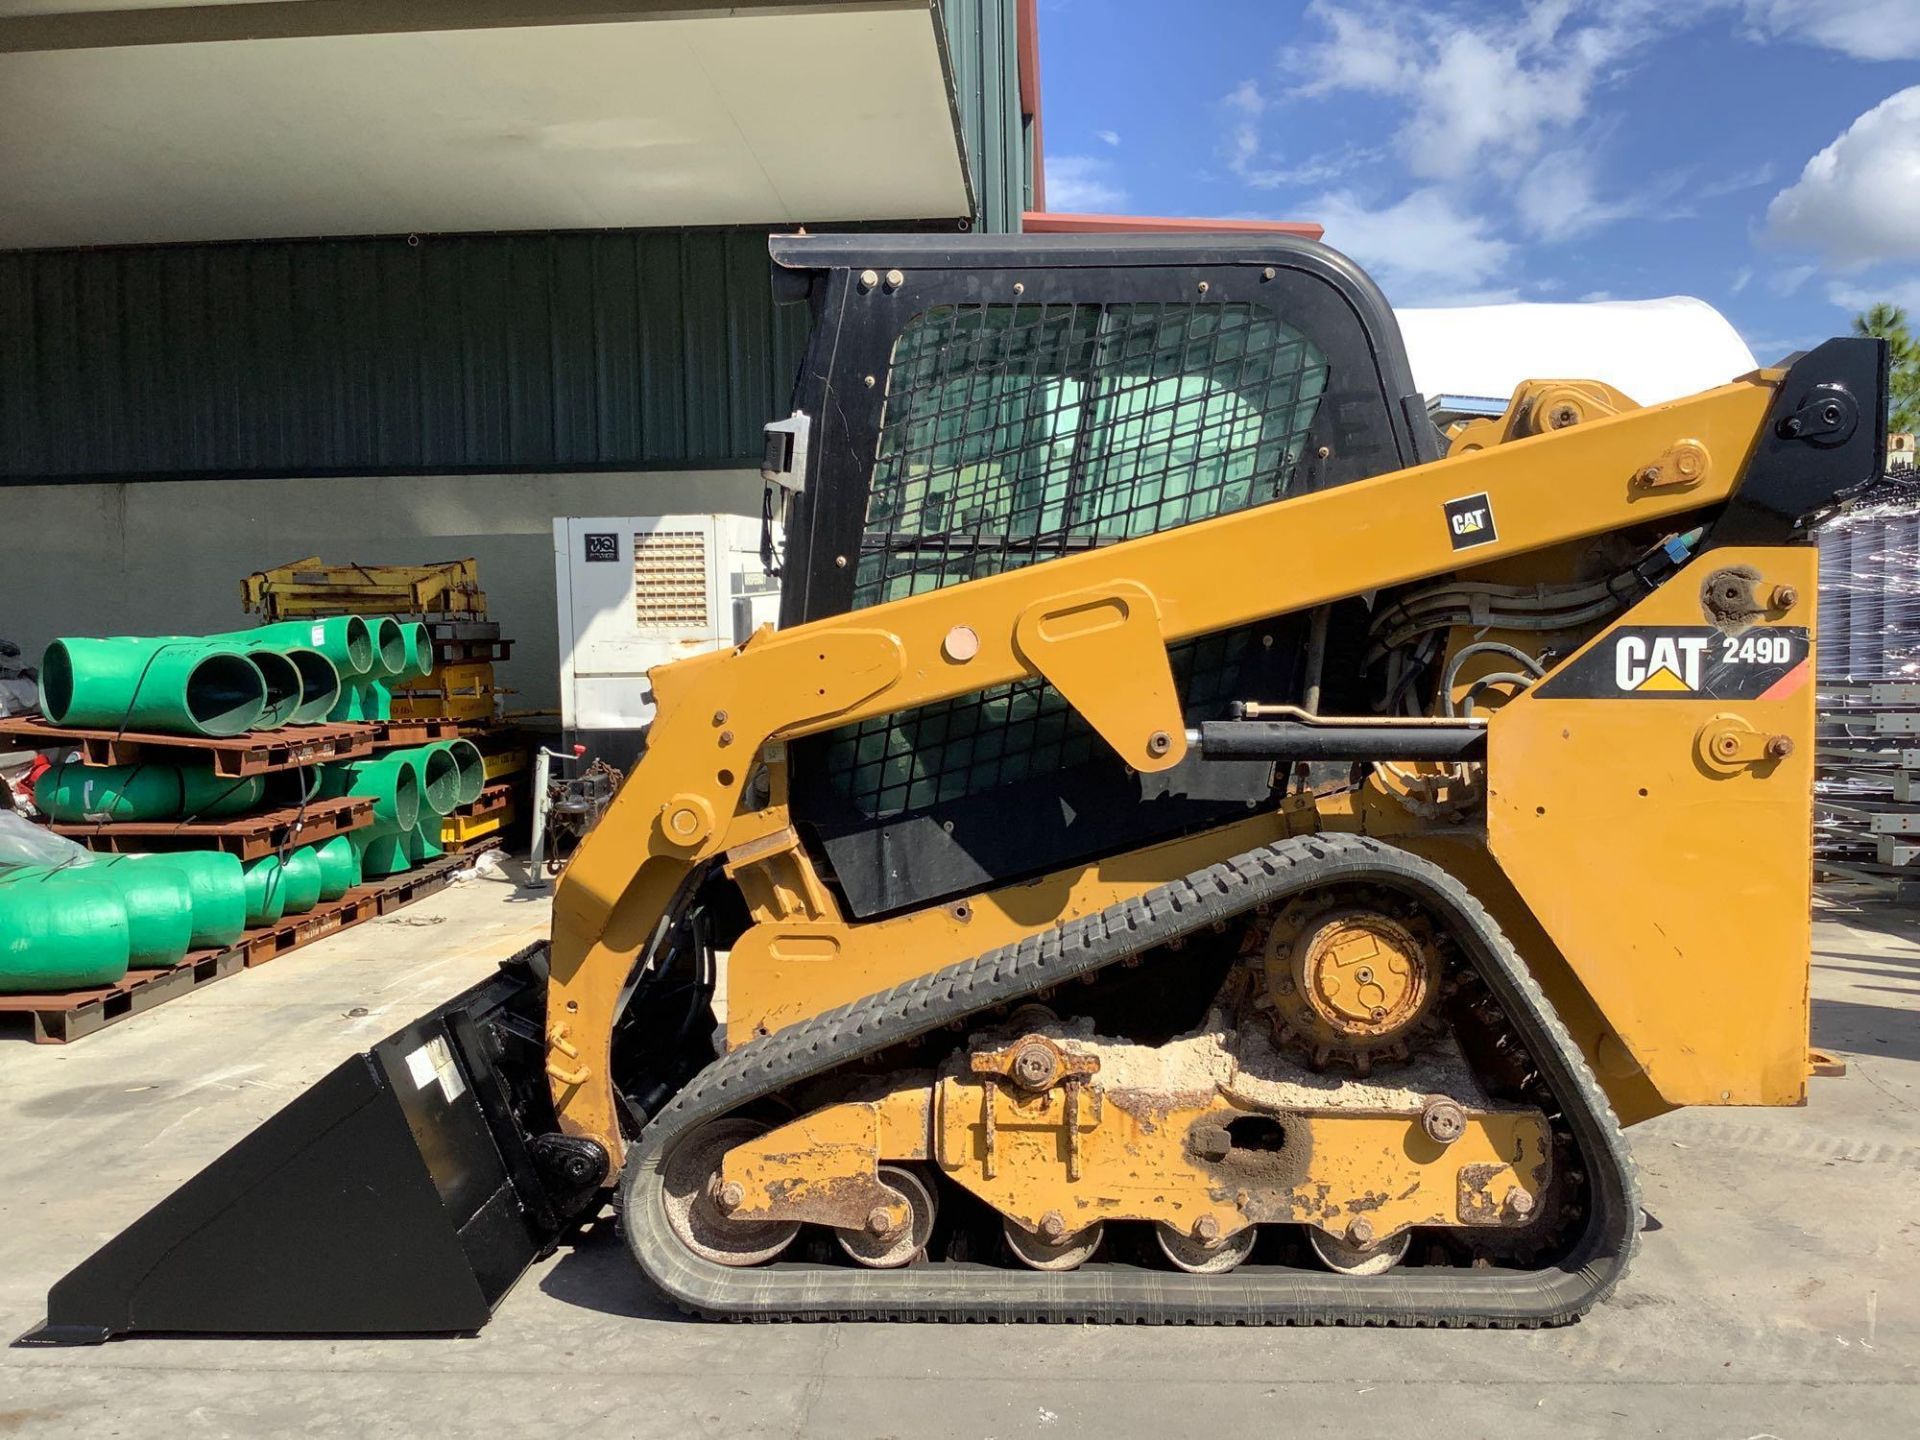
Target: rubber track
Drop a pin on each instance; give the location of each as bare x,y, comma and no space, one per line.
1410,1296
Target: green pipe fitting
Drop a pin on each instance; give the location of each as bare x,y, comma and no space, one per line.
218,885
285,689
363,700
390,655
419,641
159,905
439,776
266,892
61,928
339,866
346,640
471,764
183,687
76,794
382,855
424,843
319,685
390,780
300,879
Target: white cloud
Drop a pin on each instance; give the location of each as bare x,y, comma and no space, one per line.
1107,137
1857,297
1493,94
1858,200
1742,278
1245,156
1558,201
1080,183
1864,29
1786,283
1422,249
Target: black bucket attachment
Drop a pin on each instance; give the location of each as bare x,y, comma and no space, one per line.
398,1195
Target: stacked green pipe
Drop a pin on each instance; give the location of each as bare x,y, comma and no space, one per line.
471,764
301,879
339,866
167,686
76,794
393,782
266,892
159,906
216,884
61,928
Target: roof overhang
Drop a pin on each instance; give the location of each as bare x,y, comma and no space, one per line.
157,120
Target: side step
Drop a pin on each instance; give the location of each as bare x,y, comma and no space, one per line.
398,1195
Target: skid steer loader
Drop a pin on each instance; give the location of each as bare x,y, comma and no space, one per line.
1201,845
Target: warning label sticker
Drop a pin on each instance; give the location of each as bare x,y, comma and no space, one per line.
1687,662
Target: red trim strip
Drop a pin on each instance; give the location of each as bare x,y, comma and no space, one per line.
1056,223
1791,683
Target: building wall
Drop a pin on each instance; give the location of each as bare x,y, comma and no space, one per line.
983,50
169,556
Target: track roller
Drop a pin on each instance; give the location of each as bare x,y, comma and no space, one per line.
1345,1259
695,1205
1196,1257
1069,1252
890,1249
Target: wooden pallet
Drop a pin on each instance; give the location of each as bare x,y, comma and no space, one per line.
58,1019
391,734
260,752
268,832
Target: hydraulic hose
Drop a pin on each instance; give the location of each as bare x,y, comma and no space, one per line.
164,686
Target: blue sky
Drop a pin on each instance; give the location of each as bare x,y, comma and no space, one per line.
1763,155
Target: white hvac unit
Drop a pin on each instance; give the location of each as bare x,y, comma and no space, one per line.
639,590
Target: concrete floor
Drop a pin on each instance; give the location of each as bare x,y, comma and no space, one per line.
1777,1293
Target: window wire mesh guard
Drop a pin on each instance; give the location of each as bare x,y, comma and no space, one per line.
670,580
1018,433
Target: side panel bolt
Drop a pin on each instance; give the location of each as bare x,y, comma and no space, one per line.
1519,1203
1779,747
1053,1225
1360,1232
1443,1120
1206,1229
1785,597
730,1195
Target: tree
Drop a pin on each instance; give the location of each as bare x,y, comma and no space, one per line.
1889,323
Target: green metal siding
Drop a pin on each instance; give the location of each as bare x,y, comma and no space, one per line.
983,49
480,353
